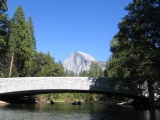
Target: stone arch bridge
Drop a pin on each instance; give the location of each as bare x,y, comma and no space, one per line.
40,85
13,90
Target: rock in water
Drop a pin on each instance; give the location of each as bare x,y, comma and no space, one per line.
78,61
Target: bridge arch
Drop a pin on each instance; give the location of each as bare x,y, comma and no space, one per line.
21,86
37,85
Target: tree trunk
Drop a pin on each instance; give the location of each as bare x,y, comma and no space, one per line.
11,65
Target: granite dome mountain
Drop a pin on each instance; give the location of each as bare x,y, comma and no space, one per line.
79,61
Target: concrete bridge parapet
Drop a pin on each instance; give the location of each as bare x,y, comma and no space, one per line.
8,85
61,84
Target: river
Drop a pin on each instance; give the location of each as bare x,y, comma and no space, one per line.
66,111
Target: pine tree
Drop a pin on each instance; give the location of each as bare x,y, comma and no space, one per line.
31,28
48,69
93,72
3,36
12,44
28,49
136,46
21,45
83,73
38,62
60,69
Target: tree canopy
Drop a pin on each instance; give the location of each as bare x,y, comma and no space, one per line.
136,46
18,55
3,36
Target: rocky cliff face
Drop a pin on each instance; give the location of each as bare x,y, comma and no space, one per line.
79,61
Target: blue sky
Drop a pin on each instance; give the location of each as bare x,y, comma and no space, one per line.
65,26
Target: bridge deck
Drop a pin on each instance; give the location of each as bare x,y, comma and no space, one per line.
36,85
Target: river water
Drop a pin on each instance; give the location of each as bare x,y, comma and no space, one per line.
66,111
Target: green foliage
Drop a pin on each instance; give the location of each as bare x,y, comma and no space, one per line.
3,25
28,50
101,72
69,97
94,97
48,69
59,69
84,73
39,61
51,68
93,72
136,46
31,28
44,65
14,72
3,37
21,42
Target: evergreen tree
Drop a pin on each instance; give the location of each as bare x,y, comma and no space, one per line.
39,61
21,42
12,44
3,37
51,68
105,73
31,28
60,69
28,50
136,46
84,73
48,69
93,72
101,72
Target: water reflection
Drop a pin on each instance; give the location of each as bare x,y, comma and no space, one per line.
66,111
151,114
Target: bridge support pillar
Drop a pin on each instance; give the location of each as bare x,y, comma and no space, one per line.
141,102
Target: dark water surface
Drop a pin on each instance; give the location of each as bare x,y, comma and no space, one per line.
66,111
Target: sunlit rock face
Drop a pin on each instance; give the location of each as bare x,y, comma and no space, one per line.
78,61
